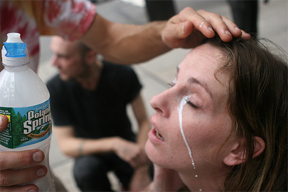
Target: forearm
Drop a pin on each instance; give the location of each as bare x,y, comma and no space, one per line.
125,43
140,44
143,133
75,147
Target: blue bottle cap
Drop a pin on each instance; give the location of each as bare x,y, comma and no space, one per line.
15,50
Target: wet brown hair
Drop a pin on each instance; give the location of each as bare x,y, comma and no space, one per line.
258,105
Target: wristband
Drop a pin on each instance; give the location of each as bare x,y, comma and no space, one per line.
80,150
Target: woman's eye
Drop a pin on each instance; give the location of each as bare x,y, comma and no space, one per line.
190,103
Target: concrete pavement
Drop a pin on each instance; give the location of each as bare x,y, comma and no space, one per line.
156,73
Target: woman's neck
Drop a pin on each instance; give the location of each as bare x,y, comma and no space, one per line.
204,181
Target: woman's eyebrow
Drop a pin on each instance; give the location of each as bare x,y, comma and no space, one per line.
194,80
204,85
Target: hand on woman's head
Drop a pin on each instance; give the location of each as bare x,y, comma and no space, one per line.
188,28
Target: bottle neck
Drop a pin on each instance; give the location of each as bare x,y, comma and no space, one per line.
16,68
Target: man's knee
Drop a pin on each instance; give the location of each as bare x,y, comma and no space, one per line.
90,174
88,167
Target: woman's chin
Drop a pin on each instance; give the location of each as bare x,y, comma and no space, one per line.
154,155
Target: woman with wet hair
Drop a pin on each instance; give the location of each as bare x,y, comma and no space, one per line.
222,126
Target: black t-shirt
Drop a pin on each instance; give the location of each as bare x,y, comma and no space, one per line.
99,113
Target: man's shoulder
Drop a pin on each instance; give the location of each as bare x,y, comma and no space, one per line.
118,70
55,80
56,84
114,66
122,77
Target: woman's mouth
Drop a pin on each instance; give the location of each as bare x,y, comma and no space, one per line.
154,135
158,135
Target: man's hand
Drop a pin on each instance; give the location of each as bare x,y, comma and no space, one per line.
131,152
17,168
190,27
14,171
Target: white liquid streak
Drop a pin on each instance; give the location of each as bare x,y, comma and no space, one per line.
180,112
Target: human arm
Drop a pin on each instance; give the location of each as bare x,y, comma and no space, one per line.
74,147
137,156
142,120
125,43
112,40
141,176
128,44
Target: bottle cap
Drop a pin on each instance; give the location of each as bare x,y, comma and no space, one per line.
14,51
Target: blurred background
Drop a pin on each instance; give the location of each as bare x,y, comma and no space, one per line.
156,73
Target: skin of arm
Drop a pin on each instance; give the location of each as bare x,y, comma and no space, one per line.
125,43
134,153
141,176
69,144
128,151
128,44
142,119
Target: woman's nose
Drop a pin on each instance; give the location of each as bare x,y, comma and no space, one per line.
161,103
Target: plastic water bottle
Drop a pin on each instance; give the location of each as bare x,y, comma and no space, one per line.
25,100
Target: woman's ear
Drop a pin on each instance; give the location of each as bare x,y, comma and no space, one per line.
237,154
259,146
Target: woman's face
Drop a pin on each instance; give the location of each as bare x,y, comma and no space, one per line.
200,100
